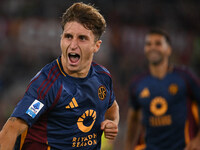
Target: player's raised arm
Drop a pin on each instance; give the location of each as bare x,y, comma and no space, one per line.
10,131
110,124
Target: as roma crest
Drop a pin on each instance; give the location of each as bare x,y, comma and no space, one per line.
102,92
173,89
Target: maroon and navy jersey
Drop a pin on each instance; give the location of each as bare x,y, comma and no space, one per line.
169,116
64,112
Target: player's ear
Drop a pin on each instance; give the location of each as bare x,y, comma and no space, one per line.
169,50
97,46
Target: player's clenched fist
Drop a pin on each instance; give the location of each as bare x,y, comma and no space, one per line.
110,129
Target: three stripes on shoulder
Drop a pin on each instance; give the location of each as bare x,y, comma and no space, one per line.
72,104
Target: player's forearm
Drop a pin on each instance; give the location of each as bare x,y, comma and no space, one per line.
133,129
10,131
7,140
113,113
131,137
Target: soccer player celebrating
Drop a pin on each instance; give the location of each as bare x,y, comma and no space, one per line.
71,101
162,98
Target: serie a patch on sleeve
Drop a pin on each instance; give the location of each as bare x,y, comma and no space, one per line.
35,108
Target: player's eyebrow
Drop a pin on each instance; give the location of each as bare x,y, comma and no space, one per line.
158,42
82,36
65,34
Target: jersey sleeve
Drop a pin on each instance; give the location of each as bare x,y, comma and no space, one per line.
112,96
193,85
133,102
193,88
34,103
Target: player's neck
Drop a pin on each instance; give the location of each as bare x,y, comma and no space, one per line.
75,73
159,70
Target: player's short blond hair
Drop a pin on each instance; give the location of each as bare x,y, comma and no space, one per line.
86,15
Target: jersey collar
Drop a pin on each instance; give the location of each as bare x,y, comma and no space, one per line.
58,60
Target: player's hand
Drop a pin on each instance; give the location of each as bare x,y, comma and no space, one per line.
194,144
110,129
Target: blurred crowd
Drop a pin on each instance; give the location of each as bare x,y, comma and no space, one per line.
30,34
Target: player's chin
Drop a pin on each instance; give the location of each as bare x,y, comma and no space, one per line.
72,68
155,60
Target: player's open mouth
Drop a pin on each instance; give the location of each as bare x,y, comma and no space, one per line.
73,57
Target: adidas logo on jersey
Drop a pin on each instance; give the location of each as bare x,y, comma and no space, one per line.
72,104
145,93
